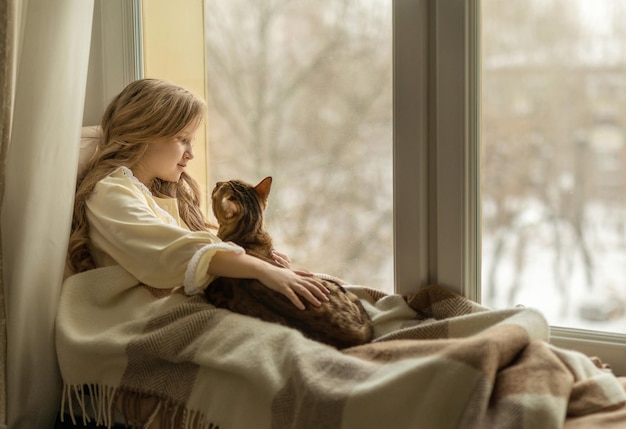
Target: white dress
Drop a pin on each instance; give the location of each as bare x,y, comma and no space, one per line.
145,235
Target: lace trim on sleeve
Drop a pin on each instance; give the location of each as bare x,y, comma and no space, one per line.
129,174
190,274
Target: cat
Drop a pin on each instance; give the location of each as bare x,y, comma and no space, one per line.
239,209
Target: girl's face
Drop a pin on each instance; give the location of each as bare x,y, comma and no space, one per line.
167,159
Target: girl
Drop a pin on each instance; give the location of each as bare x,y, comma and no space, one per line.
136,206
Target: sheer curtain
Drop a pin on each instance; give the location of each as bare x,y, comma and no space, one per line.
49,50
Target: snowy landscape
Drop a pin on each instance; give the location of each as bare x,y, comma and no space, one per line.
561,289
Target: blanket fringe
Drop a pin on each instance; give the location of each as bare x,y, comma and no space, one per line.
195,420
98,408
96,403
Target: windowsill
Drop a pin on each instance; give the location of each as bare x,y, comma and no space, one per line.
609,347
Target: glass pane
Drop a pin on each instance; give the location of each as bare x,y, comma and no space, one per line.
302,91
553,159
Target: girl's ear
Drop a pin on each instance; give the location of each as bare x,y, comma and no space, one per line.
263,188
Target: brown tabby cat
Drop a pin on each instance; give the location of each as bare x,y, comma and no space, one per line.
341,322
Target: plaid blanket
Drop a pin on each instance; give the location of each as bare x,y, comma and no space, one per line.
438,360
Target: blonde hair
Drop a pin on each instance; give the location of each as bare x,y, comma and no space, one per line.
147,110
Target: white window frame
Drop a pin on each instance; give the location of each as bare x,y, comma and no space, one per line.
436,169
436,116
412,238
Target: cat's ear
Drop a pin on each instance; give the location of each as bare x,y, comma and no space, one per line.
263,188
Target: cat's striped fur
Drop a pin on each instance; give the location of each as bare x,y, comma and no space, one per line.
238,207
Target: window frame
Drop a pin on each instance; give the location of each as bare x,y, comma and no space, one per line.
454,112
436,56
411,154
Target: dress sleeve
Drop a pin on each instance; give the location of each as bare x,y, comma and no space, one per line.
125,223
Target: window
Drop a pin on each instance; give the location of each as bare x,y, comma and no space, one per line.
456,61
170,36
436,117
302,91
553,144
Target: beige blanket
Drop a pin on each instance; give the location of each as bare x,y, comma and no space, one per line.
438,361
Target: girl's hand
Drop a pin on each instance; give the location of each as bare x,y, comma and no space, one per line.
295,285
281,259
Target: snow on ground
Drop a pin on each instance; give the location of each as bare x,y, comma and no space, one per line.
537,285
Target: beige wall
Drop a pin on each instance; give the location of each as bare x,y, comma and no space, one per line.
173,46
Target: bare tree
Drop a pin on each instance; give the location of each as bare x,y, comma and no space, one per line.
542,70
301,90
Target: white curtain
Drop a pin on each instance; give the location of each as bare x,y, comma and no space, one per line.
51,54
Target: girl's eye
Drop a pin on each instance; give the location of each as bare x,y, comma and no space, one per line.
185,141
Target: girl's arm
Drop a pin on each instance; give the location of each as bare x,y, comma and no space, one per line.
291,284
